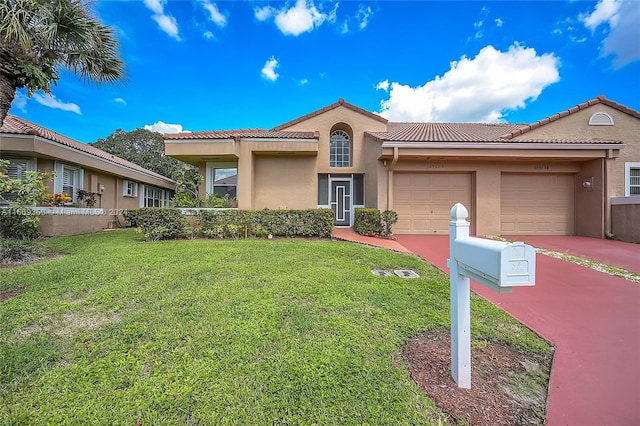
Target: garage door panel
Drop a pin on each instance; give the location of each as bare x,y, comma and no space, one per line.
540,204
423,201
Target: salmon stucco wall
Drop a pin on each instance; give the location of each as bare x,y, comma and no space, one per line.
273,179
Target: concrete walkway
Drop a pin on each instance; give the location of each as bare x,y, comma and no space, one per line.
592,318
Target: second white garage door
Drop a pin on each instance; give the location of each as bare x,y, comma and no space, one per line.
423,201
537,204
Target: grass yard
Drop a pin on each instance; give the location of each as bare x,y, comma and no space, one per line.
118,331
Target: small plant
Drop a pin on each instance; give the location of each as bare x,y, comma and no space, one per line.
184,199
389,218
367,222
371,222
216,201
58,199
87,197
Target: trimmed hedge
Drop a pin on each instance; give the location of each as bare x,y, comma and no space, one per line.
260,223
158,223
170,223
372,222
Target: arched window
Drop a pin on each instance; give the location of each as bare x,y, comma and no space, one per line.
339,149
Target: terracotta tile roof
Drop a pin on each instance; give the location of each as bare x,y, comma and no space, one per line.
242,133
444,132
20,126
340,103
599,100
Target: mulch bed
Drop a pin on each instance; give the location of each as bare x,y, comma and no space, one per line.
491,399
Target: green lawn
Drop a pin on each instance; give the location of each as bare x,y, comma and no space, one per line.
118,331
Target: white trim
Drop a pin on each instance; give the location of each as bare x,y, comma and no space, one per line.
125,192
95,157
627,177
594,120
501,145
58,180
349,211
210,166
304,140
194,140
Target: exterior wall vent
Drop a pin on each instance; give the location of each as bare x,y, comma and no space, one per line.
601,119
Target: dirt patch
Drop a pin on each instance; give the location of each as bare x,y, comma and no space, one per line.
8,294
507,387
71,323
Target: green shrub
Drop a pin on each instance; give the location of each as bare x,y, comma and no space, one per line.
19,223
184,199
243,223
19,250
158,223
216,201
371,222
367,222
389,218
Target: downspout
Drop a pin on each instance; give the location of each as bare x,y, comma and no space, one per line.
390,178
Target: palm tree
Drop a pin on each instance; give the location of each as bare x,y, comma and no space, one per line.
38,37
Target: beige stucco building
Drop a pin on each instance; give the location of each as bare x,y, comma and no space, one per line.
119,184
557,176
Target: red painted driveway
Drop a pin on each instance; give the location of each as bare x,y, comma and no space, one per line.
592,318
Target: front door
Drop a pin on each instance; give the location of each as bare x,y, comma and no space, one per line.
341,202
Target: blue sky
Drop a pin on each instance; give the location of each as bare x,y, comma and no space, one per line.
212,65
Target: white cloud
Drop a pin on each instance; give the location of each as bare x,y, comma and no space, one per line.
119,101
499,22
208,35
263,13
20,101
215,15
363,15
303,17
162,127
166,22
621,41
269,69
303,82
51,102
474,90
383,85
156,6
605,11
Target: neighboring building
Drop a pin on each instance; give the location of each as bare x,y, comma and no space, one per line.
119,184
555,177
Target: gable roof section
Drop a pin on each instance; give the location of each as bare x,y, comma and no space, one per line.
19,126
338,104
241,134
599,100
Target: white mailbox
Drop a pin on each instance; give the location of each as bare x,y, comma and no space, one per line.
496,264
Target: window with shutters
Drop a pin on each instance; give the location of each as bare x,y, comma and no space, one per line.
129,188
18,168
69,179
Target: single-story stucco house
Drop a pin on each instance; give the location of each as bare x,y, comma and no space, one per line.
557,176
119,184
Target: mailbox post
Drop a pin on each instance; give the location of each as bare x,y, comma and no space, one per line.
495,264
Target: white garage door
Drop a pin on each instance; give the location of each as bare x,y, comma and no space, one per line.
423,201
537,204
